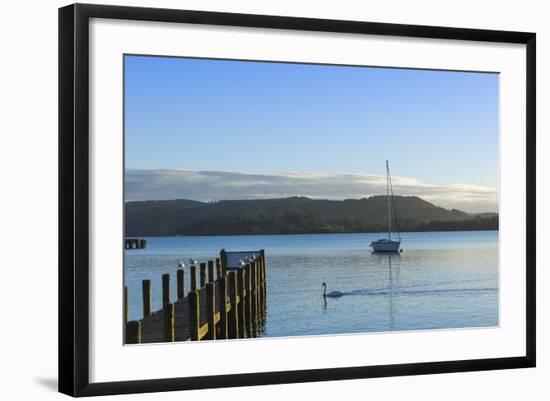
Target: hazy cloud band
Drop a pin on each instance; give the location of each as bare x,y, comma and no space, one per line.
218,185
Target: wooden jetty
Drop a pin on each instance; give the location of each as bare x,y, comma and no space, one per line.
135,243
226,302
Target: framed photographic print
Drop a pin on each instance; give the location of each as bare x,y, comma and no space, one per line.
250,199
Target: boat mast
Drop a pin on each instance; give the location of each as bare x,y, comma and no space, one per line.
393,203
388,196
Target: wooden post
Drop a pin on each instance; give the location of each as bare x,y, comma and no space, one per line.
194,315
233,318
210,271
211,310
125,305
264,272
258,296
180,276
254,294
248,301
168,317
147,297
218,268
240,311
223,261
133,332
260,293
203,275
265,286
259,290
193,271
165,289
222,302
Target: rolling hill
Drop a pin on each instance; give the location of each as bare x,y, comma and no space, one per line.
294,215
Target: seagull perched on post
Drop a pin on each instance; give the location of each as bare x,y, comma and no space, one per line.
192,262
241,263
181,265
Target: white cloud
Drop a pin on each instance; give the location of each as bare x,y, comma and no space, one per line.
218,185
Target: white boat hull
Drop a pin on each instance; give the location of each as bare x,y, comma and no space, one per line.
385,245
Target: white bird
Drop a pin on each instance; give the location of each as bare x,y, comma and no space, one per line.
192,262
332,294
181,265
241,263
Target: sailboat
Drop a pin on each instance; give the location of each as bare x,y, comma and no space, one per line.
388,244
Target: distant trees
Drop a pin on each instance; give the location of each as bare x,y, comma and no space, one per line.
296,215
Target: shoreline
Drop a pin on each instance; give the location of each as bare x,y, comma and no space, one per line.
310,233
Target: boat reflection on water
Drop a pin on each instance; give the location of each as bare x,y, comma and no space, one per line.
391,262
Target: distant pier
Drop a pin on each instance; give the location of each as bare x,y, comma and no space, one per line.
225,302
135,243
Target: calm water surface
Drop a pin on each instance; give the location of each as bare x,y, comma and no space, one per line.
441,280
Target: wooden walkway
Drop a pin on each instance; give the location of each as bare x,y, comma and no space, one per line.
202,314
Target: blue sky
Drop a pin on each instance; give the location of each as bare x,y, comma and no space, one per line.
437,128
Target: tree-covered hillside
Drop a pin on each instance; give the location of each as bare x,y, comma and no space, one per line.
294,215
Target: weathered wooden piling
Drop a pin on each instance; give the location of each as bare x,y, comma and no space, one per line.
260,293
194,315
233,317
147,297
180,276
133,332
193,271
125,305
165,289
248,301
203,274
222,306
264,290
211,310
211,271
241,315
218,268
254,300
222,260
168,320
262,258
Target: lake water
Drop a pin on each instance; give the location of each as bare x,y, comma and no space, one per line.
441,280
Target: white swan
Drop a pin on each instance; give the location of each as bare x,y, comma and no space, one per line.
332,294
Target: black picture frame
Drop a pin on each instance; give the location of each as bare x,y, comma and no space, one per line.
74,204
